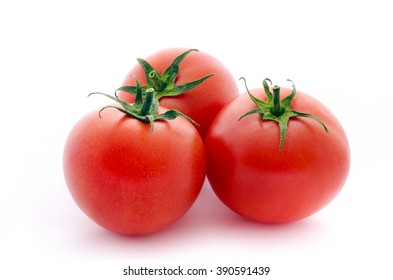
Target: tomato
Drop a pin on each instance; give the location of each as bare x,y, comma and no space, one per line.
130,177
202,102
274,173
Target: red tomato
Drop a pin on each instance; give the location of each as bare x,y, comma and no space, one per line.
129,179
201,103
253,177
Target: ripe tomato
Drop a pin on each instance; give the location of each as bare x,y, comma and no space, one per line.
255,178
200,103
130,179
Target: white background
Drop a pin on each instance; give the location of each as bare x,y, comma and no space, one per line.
53,53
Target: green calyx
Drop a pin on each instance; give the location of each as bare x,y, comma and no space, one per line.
144,108
277,110
164,83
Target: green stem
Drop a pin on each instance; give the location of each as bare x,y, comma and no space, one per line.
138,97
156,80
276,110
148,102
145,110
164,84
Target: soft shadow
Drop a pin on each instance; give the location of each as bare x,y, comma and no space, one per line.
208,226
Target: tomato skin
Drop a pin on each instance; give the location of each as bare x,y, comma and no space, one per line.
131,180
201,103
249,173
